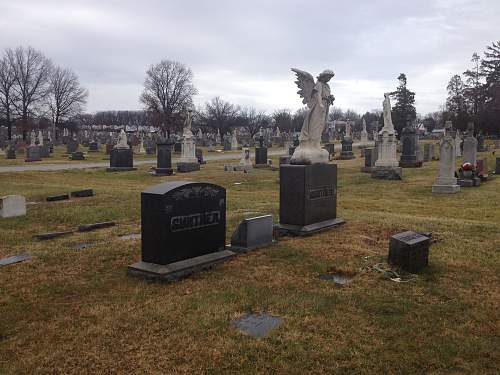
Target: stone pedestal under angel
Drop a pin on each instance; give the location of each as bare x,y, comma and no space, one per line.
317,97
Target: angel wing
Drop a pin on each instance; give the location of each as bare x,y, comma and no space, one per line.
305,82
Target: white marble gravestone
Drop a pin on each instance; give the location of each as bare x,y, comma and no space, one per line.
12,206
446,181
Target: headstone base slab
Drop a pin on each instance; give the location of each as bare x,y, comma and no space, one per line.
163,171
367,169
188,167
388,173
306,230
349,155
445,189
120,169
468,182
178,270
261,165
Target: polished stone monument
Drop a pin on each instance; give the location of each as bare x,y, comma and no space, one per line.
261,153
122,156
370,160
308,186
252,233
346,153
183,229
164,159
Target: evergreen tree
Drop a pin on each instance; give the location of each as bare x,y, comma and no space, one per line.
403,109
490,68
474,89
456,103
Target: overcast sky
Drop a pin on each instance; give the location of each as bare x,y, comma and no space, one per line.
242,51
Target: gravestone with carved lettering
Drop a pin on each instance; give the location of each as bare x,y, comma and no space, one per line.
308,198
183,229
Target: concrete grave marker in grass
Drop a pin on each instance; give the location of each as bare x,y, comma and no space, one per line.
257,325
14,259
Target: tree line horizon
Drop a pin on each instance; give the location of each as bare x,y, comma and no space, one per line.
35,93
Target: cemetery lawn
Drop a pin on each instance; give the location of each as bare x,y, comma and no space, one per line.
70,311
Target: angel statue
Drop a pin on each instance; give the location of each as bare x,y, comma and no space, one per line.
186,131
318,98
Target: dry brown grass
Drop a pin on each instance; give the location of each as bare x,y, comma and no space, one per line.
76,311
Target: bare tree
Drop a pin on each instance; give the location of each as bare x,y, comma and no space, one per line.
219,114
67,98
31,83
283,119
251,120
7,97
168,88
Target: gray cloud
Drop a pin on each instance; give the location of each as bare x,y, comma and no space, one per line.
242,50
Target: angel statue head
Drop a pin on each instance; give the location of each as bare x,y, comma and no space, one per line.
326,75
317,97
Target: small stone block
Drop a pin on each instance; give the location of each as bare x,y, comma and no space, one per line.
60,197
12,206
252,233
90,227
257,325
82,193
14,259
409,250
187,167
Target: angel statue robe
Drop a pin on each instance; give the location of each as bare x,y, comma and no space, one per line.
314,122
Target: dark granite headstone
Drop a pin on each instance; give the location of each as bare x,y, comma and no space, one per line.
409,142
497,166
44,150
260,156
122,159
308,198
177,147
71,146
59,197
11,153
252,233
164,159
93,147
183,229
346,153
33,154
77,155
370,159
409,250
199,155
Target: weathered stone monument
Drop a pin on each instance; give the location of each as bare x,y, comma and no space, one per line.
429,151
458,144
188,161
234,140
32,151
364,133
12,206
71,145
308,186
183,229
387,166
122,156
446,181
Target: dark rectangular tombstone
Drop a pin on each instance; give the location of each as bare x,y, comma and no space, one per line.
77,155
252,233
11,153
409,250
260,157
122,159
44,150
497,166
71,146
199,155
177,147
33,154
164,160
183,229
409,149
482,169
346,153
308,198
93,147
370,159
